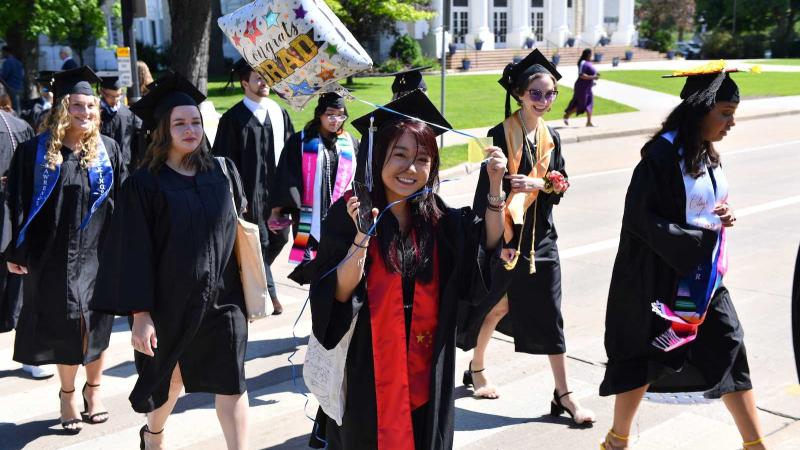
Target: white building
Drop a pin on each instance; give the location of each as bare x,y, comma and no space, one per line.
508,23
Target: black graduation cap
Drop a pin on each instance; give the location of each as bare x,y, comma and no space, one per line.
45,78
240,69
535,62
331,100
112,83
167,92
408,80
74,81
413,106
708,84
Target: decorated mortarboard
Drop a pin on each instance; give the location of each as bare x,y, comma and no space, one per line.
239,70
74,81
407,80
710,83
165,93
413,106
113,83
514,73
331,100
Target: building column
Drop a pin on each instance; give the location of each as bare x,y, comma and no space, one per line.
519,24
594,28
625,29
556,16
479,25
432,41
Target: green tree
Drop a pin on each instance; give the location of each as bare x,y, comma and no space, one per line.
659,16
364,17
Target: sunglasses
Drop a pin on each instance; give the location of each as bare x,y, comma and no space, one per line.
538,96
335,117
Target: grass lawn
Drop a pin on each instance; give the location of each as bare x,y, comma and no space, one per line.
777,61
472,101
765,84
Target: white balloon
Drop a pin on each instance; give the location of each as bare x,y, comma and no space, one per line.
299,47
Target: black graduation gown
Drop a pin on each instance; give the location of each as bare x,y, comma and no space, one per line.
536,326
62,260
16,133
796,313
656,248
176,233
248,143
34,113
122,126
462,279
288,189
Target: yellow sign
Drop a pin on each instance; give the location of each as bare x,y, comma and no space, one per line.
123,52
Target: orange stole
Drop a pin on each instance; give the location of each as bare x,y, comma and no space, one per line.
402,372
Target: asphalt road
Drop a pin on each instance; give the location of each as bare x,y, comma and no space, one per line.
761,163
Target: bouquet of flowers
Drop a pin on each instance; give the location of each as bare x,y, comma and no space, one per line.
555,182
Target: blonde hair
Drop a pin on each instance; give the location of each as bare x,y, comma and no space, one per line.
58,121
144,75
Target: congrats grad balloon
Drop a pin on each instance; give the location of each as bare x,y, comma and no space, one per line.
298,46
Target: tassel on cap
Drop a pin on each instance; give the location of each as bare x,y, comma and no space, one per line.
368,169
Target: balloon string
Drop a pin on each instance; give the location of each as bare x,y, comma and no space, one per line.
414,118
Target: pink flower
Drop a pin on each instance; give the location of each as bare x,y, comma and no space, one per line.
556,182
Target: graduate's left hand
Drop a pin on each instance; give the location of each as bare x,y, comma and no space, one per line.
526,184
495,165
725,213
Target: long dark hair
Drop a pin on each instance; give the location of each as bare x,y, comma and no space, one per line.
586,55
160,143
313,126
687,119
415,260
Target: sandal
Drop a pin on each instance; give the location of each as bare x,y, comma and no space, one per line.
557,408
91,418
487,391
142,431
745,445
67,423
607,445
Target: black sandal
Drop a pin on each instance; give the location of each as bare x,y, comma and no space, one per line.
142,431
467,380
66,423
85,414
557,408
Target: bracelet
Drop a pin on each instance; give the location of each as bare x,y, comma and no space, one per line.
497,208
360,246
496,199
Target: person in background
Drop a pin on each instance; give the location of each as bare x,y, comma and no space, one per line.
117,121
67,63
253,134
145,78
35,111
582,97
12,73
61,190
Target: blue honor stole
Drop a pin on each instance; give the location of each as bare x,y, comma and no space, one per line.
101,179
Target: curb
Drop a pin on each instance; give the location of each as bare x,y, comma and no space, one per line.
461,169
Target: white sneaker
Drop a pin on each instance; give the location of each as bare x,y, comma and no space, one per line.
39,372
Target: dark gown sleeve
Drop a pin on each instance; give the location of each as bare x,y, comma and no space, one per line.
288,128
227,141
681,246
20,192
130,250
240,200
287,190
331,318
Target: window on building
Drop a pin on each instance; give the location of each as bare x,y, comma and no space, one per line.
500,3
459,26
537,3
463,3
569,3
500,26
153,33
537,22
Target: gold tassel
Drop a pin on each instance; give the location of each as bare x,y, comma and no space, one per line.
532,268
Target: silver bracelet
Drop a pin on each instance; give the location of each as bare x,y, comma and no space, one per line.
496,200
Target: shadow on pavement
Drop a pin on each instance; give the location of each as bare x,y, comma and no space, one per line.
16,437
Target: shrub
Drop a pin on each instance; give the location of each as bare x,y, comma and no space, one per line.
662,41
406,49
391,65
156,58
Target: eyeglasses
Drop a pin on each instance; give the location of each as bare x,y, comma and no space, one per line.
335,117
538,96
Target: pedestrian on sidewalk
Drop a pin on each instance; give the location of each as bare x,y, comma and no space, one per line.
316,168
253,134
118,122
169,264
12,73
582,97
525,300
61,190
670,323
403,285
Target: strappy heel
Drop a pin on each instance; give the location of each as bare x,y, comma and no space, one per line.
487,391
606,445
557,408
746,445
85,414
467,380
66,423
144,430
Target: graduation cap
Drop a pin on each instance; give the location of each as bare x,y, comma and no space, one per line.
406,81
45,78
74,81
330,100
516,73
413,106
239,70
167,92
112,83
708,84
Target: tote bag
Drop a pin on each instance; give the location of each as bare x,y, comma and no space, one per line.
251,262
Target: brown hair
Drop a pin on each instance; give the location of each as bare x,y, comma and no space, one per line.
522,84
144,75
161,143
417,259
